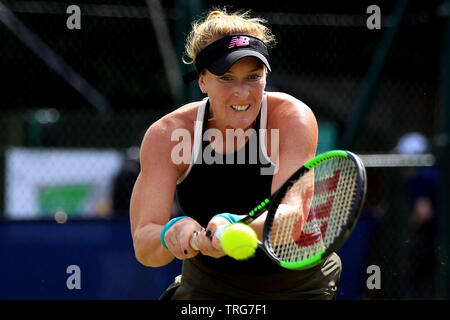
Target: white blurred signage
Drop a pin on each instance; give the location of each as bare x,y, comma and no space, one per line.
42,182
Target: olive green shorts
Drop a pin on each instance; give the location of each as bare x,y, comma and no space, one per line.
198,282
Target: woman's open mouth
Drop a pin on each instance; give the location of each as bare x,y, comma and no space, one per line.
240,108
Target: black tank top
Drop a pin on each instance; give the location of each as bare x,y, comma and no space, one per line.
210,189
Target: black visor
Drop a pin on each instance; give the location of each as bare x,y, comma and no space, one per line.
220,55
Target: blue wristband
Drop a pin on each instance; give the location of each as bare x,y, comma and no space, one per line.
167,226
229,216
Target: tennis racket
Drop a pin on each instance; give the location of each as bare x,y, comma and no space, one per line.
313,213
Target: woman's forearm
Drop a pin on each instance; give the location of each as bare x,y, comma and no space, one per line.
148,248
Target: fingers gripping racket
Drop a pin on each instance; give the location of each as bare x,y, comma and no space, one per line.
313,213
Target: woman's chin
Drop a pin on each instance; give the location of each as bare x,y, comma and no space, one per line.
241,120
241,124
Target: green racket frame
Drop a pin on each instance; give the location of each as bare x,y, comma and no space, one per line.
271,204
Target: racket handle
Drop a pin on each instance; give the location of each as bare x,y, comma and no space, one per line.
192,241
217,234
219,231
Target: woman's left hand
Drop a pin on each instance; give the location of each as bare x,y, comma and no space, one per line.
207,244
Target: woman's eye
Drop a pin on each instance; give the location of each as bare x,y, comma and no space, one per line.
254,77
226,78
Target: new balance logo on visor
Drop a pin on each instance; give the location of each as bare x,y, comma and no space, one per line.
239,42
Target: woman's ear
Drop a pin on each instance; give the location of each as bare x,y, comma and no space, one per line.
201,83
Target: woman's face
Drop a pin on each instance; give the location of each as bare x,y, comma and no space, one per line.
235,97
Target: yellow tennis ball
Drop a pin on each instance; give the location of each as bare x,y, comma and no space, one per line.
239,241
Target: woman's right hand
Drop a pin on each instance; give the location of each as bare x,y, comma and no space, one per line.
178,236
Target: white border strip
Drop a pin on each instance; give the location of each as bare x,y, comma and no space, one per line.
398,160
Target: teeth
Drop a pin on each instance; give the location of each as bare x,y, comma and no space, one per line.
240,108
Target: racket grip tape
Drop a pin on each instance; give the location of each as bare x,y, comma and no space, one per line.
192,241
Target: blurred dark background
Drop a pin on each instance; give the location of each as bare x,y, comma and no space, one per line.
87,96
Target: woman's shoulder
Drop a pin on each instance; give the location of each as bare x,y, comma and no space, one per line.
284,108
182,118
160,134
286,100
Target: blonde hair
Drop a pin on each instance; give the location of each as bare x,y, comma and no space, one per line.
220,23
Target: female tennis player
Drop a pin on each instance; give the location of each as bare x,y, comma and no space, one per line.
272,132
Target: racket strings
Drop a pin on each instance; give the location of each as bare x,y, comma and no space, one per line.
314,211
288,213
344,197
